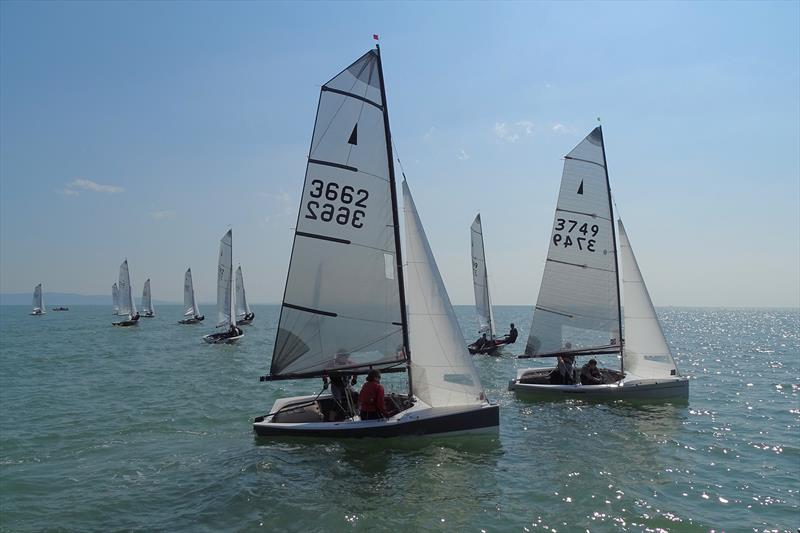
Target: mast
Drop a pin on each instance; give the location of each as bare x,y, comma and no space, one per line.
395,221
616,254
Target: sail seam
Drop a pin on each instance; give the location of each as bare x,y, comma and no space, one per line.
585,161
352,95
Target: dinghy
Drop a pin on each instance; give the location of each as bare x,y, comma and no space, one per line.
191,311
483,303
147,303
115,299
61,308
579,313
349,305
127,305
226,317
38,301
243,313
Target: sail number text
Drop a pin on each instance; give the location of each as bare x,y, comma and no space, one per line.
342,214
575,234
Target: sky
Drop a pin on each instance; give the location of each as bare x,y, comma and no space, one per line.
144,130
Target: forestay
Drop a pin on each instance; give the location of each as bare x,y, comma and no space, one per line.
189,304
341,305
646,352
480,280
115,299
126,304
225,314
578,304
242,308
147,304
442,370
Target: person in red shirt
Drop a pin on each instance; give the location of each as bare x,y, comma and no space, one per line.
370,399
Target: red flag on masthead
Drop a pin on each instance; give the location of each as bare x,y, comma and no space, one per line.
375,36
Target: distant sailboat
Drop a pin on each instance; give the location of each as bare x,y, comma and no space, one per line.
579,312
190,309
243,313
38,301
226,316
127,305
347,308
115,299
147,303
483,302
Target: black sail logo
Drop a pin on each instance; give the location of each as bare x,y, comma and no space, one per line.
580,188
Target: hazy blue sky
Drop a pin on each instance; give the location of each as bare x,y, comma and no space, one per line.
143,130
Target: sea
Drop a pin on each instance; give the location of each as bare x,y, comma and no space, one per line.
150,429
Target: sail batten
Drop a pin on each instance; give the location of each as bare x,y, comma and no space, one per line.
578,303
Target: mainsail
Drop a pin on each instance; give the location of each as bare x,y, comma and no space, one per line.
442,370
115,299
646,353
480,280
342,306
126,304
225,314
578,305
189,304
38,299
147,304
242,307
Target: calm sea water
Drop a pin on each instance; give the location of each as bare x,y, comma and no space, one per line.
148,428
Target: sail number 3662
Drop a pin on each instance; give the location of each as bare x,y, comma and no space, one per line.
579,238
347,214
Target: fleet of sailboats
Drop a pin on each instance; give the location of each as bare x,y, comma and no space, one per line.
349,305
579,311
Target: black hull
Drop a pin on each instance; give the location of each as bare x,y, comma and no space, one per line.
473,420
491,350
191,321
125,323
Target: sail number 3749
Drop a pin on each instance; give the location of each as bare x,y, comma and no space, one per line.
347,214
581,236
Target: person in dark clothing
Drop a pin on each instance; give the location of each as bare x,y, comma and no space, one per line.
564,373
481,342
371,398
511,338
343,395
590,374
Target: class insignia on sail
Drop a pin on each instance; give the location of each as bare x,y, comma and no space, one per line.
579,312
350,308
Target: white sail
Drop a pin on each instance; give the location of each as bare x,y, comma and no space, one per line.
189,303
341,304
578,303
442,370
126,304
38,299
646,353
115,299
147,303
242,307
225,301
480,280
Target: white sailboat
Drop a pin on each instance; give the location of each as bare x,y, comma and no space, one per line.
483,302
190,309
147,301
114,299
349,305
38,301
226,316
243,313
579,312
127,305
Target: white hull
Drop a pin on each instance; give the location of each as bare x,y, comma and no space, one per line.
420,419
630,388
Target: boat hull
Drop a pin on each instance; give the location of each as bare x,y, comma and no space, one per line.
217,338
418,420
191,320
125,323
490,350
675,388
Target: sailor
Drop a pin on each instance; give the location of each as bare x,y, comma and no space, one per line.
590,374
511,338
481,343
341,388
370,399
564,373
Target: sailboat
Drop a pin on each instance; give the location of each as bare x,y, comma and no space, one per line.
38,301
147,302
243,313
114,299
579,312
483,302
349,305
190,309
127,305
226,317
